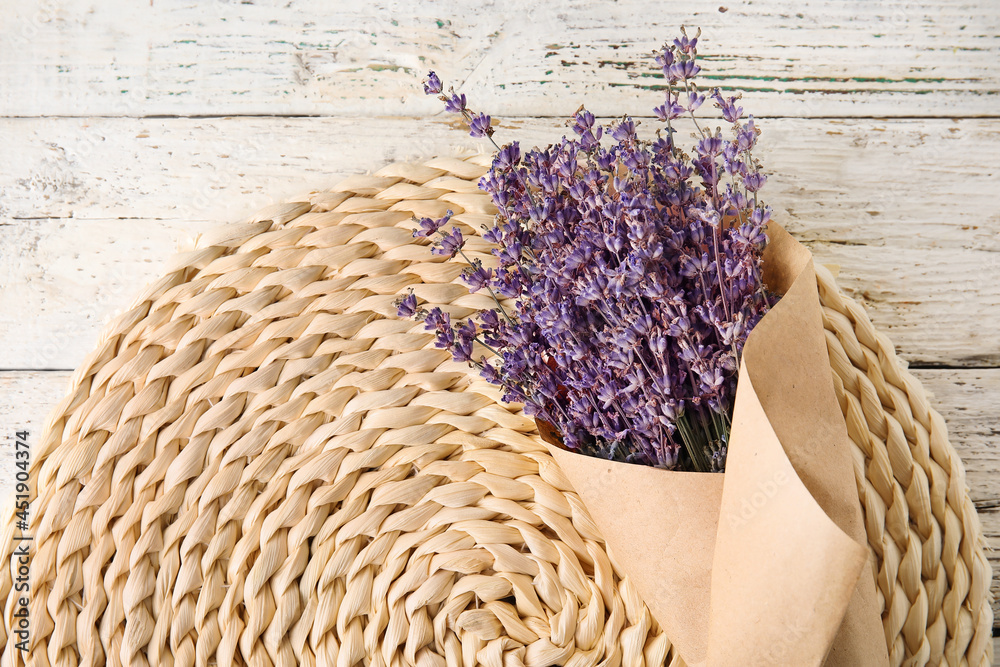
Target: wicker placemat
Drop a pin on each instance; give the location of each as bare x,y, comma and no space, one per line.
261,464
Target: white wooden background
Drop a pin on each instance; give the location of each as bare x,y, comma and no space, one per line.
127,128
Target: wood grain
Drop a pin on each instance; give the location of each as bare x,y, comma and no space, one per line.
884,155
893,58
62,279
848,180
98,204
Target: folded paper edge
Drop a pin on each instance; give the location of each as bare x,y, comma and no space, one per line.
776,547
810,425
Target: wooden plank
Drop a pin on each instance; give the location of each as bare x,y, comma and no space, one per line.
26,399
940,306
877,197
991,528
60,280
799,58
969,399
847,181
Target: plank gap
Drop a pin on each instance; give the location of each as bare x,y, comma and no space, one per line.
708,115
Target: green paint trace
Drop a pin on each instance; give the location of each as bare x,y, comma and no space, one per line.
378,67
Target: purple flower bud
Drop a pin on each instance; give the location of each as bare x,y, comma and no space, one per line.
465,336
746,136
510,254
760,216
407,306
437,319
480,126
509,284
489,319
686,44
606,160
736,200
583,122
664,59
515,395
624,131
493,235
439,322
591,139
708,170
508,156
445,338
578,190
477,277
607,394
682,71
754,181
489,372
450,244
750,236
695,266
679,326
710,380
658,344
710,145
669,110
429,227
694,102
730,111
432,84
455,103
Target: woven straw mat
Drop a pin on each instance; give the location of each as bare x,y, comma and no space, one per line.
262,464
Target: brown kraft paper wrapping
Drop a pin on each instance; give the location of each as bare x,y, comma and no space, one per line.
766,564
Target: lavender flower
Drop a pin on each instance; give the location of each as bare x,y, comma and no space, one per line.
407,306
754,182
429,227
480,126
686,44
432,84
465,336
455,103
681,71
477,277
439,322
634,272
508,156
730,111
451,243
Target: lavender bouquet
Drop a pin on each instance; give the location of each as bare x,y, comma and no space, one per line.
636,315
633,272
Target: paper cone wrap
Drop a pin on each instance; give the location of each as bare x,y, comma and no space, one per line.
766,564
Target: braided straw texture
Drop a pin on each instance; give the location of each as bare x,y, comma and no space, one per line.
261,464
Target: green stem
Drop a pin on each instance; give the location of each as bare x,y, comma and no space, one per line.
695,446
